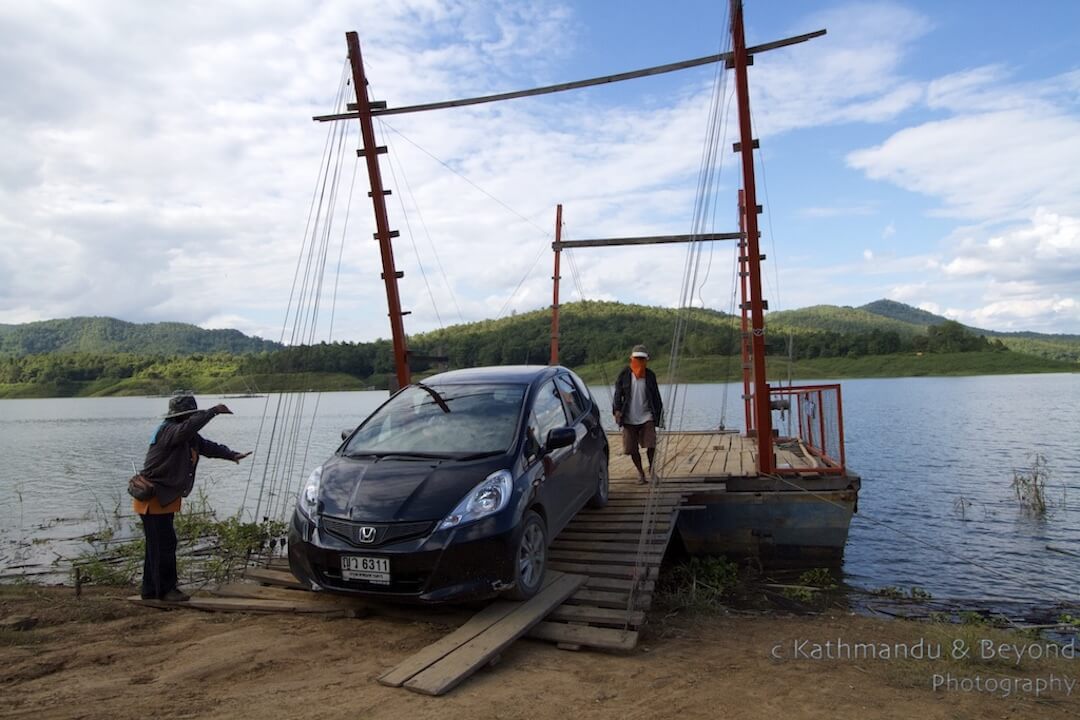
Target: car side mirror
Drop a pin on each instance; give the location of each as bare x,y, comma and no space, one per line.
559,437
346,433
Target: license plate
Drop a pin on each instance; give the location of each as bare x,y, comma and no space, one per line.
369,569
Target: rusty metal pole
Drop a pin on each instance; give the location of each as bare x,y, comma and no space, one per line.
762,412
744,335
555,293
371,152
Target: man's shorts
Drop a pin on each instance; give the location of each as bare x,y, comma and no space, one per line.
634,436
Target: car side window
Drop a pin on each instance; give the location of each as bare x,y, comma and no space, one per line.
581,386
548,411
532,439
571,397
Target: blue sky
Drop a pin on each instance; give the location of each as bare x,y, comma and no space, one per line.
160,159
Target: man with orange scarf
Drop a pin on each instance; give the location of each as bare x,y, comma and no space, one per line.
638,409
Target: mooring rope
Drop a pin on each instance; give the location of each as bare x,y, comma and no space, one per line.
708,177
284,455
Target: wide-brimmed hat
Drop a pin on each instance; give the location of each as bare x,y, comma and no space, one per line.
639,351
181,405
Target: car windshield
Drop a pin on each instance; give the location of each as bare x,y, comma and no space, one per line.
442,421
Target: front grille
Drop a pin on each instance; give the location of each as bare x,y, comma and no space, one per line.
371,535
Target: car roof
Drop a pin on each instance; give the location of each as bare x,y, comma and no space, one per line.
495,374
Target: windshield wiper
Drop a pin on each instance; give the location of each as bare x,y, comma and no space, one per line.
411,454
436,396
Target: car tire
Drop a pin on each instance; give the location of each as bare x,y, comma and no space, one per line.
600,497
530,558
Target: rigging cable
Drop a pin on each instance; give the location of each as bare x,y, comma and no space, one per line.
302,318
545,233
343,84
427,234
708,175
412,240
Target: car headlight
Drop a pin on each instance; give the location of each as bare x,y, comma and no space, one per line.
487,498
308,500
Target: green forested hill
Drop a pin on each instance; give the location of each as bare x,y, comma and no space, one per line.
100,356
830,318
904,313
590,331
109,335
1053,346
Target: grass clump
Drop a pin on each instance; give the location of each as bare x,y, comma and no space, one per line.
1029,485
700,583
209,549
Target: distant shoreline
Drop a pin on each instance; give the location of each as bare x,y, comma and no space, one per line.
710,369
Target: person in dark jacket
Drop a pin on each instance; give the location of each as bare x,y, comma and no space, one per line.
638,409
170,464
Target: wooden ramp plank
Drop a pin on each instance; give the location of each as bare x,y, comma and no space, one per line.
249,605
280,578
605,598
604,538
605,583
605,616
612,526
431,654
586,635
611,571
631,547
447,673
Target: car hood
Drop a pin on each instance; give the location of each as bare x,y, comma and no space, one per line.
394,489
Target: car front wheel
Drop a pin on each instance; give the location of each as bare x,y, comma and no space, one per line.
600,497
530,558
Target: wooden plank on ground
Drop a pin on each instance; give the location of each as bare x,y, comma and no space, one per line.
248,605
586,636
274,577
448,672
431,654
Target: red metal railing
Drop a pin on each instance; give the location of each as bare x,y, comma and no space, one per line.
819,411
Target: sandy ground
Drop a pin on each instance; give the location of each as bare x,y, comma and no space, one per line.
101,657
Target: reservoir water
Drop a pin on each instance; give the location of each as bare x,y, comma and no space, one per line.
937,458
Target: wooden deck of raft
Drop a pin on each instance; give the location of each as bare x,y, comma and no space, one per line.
593,563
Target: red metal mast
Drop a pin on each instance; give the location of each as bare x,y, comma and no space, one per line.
744,335
555,294
383,234
762,412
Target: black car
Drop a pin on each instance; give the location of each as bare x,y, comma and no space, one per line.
453,488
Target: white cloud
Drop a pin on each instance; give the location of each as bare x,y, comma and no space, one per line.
1005,150
1003,159
888,231
853,74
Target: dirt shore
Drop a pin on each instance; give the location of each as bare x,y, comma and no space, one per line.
102,657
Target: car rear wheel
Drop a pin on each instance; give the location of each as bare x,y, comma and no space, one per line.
530,559
600,497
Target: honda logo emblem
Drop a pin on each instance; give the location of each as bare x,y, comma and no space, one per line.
367,534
